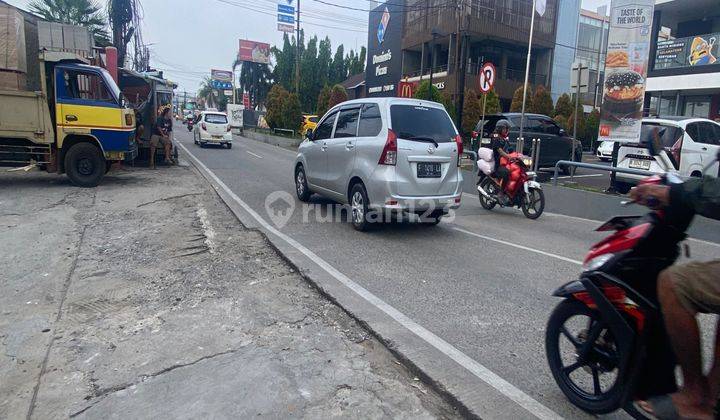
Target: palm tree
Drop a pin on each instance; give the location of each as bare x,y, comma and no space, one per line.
85,13
206,91
255,79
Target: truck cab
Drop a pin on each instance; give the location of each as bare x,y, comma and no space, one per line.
94,127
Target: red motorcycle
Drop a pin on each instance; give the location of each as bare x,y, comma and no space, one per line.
522,190
606,343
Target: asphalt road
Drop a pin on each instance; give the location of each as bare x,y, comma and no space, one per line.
482,282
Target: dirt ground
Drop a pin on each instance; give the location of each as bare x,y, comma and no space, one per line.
146,298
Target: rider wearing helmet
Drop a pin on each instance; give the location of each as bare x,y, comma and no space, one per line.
500,145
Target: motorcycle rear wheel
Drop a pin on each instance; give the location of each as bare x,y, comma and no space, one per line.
596,359
489,186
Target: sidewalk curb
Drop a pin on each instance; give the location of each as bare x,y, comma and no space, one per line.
472,396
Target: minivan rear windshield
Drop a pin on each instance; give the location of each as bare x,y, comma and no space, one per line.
668,134
215,118
411,122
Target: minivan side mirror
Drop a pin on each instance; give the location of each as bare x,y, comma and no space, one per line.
309,134
562,132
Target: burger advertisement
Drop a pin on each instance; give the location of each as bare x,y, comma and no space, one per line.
626,67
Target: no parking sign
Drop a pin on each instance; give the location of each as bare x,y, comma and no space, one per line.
486,77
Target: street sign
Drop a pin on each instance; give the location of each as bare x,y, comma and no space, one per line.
228,92
286,18
486,78
216,84
288,10
284,27
583,78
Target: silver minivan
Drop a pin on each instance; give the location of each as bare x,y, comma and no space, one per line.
383,156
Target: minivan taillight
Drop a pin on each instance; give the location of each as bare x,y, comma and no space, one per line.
459,142
204,127
389,152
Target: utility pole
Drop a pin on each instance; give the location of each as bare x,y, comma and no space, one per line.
458,65
297,50
521,141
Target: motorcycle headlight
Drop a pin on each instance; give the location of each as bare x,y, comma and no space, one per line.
527,162
597,262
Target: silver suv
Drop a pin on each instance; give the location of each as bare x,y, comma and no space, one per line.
382,156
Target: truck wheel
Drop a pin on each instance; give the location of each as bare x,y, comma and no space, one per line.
85,165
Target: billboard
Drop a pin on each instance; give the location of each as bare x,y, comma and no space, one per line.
626,66
700,50
384,60
221,75
256,52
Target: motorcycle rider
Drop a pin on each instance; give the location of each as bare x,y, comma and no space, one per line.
684,291
500,145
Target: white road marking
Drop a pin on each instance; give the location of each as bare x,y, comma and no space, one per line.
524,248
486,375
253,154
597,223
580,176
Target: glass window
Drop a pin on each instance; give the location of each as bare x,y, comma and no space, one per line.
693,132
549,127
314,119
87,86
490,122
697,106
412,121
370,121
324,130
707,133
668,134
347,123
216,118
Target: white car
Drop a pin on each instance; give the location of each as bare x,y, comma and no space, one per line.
691,143
212,128
605,150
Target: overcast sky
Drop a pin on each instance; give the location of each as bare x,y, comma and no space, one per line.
189,37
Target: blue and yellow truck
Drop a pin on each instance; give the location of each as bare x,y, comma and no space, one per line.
66,116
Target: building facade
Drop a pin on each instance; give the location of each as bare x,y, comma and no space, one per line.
684,67
438,32
593,28
565,42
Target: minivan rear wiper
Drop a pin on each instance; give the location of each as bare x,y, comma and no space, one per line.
408,136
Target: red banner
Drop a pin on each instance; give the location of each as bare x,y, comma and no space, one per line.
246,101
256,52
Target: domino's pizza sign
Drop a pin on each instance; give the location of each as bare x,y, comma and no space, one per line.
382,27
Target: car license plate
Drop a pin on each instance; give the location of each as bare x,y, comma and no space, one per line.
217,137
428,170
640,164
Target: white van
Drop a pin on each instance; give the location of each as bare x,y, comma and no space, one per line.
691,143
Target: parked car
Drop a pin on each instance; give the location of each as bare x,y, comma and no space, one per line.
383,154
309,122
605,150
555,144
691,142
212,128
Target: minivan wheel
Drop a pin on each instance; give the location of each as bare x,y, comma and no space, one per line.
359,208
301,187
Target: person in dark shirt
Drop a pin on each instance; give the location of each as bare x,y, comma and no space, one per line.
161,132
500,145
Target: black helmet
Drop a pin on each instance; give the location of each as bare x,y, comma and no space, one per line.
502,124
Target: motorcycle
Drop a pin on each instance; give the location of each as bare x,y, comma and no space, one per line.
606,343
190,125
522,191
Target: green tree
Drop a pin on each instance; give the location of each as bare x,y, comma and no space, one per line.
85,13
492,106
308,68
592,126
291,112
542,102
472,111
323,101
517,100
338,71
564,106
562,121
581,133
284,70
276,99
337,96
255,80
324,62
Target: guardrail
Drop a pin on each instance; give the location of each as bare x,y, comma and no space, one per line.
284,130
597,167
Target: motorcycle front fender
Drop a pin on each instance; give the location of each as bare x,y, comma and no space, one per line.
569,289
531,184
